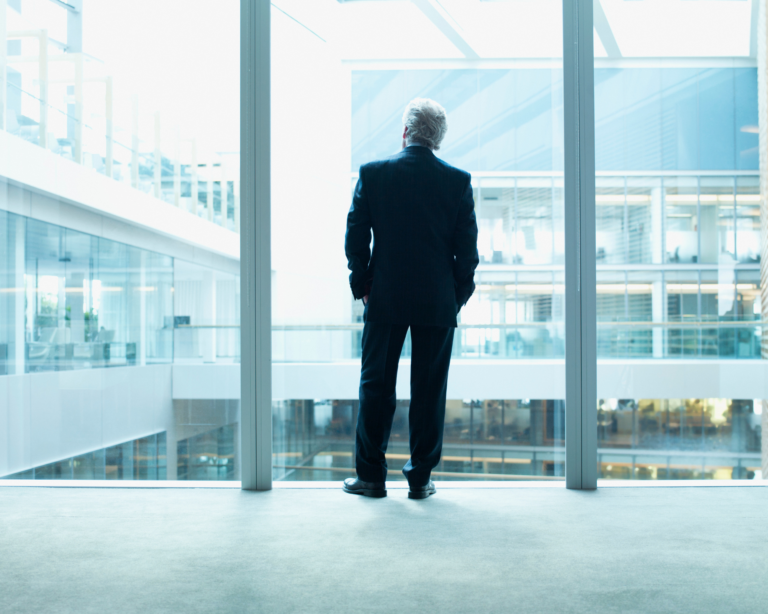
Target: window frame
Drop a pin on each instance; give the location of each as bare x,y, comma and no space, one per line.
255,246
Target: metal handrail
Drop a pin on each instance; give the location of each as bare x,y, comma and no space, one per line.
360,325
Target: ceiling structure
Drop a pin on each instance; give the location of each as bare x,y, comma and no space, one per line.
526,29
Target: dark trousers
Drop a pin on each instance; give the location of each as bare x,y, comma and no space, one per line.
430,359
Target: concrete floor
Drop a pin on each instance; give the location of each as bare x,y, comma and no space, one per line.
516,550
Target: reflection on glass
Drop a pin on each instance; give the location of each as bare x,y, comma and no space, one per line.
505,128
84,296
681,219
748,219
484,439
668,439
118,241
678,242
611,220
716,201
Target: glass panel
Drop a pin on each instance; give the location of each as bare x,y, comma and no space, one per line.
643,219
681,219
677,150
611,220
748,219
612,306
119,270
505,128
716,200
534,221
684,308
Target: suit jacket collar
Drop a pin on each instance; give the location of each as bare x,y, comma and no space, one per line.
418,149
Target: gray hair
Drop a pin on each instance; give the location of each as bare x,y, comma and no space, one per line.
426,123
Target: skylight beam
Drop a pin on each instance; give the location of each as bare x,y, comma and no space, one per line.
604,31
435,13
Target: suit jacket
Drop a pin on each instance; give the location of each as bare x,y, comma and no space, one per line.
421,212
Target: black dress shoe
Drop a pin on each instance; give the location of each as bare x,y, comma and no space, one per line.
355,486
422,492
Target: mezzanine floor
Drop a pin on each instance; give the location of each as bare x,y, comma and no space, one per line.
480,549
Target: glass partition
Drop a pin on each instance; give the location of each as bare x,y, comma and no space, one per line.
678,265
505,128
119,246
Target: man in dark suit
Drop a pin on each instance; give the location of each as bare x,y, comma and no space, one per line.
418,276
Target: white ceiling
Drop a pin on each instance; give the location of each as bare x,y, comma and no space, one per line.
510,29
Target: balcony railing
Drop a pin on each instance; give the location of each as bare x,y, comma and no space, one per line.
49,108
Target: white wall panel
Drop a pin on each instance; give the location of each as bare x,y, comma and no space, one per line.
45,417
60,192
473,379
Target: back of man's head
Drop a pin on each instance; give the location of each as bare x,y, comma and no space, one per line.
426,123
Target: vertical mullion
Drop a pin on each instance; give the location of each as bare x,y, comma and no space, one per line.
735,223
580,275
255,272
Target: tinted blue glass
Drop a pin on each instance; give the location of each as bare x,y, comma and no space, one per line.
376,113
642,100
496,89
680,118
511,120
533,120
610,119
456,90
745,82
558,137
716,119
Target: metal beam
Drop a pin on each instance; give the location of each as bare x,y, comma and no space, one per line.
75,26
443,21
255,263
66,5
580,274
604,31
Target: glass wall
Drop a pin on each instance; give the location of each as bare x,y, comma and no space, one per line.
91,302
678,265
119,246
677,226
505,128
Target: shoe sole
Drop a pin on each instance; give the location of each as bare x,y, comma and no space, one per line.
374,494
420,495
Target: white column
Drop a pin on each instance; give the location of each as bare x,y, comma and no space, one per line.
19,329
75,304
657,257
141,354
236,194
209,197
193,174
208,335
43,78
61,308
110,127
79,108
177,170
224,194
658,315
